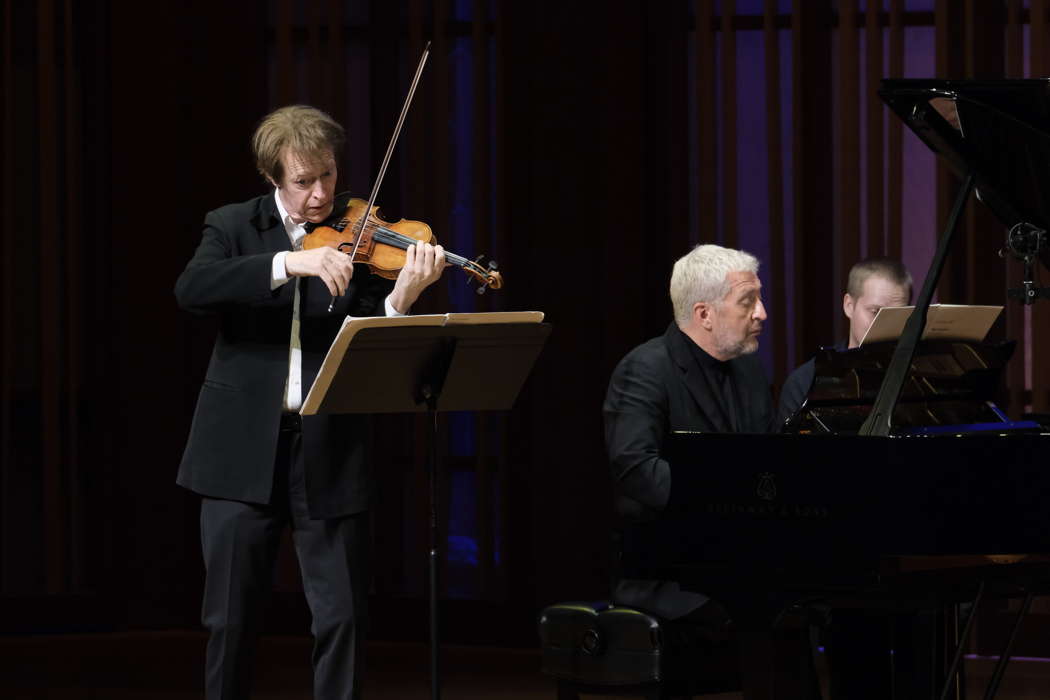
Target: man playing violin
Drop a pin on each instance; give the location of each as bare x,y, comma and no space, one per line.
257,464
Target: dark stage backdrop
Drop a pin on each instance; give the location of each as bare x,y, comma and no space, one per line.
584,145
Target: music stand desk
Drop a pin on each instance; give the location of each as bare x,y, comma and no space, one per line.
410,364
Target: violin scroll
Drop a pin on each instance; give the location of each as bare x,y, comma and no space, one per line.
486,275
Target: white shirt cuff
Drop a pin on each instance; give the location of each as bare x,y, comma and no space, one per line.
390,310
278,272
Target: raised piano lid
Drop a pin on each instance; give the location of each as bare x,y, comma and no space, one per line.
1003,136
950,389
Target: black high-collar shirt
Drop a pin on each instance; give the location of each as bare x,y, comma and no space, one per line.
719,377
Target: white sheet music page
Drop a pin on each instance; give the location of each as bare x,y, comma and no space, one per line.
943,322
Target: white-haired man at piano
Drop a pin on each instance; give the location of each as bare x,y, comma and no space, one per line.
702,375
872,284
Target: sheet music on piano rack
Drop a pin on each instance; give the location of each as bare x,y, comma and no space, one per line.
944,322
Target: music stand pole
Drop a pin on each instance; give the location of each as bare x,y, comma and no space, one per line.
407,368
430,385
435,679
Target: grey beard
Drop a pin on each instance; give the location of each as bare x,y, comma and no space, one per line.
736,348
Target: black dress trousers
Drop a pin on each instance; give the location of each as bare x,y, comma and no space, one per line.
240,543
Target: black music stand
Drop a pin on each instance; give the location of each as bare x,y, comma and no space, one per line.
406,368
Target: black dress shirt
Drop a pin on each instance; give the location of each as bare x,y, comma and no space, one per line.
719,376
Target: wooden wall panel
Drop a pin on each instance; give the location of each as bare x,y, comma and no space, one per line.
1039,27
894,155
1018,393
438,207
778,296
418,145
986,59
1040,312
500,226
1014,39
815,289
949,63
286,74
847,152
663,81
49,290
874,120
499,427
335,62
316,67
707,136
481,143
439,204
728,180
74,249
481,203
7,300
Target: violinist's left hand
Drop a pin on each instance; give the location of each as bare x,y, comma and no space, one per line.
424,264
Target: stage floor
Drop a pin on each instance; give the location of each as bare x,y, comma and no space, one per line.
167,666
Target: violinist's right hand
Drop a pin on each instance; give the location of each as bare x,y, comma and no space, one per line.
334,268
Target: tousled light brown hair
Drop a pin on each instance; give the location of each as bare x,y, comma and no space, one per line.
305,130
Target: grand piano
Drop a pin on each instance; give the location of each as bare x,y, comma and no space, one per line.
898,484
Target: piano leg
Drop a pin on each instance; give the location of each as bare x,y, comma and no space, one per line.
858,651
1004,657
776,660
953,677
755,640
917,655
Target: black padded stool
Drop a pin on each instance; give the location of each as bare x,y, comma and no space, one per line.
603,649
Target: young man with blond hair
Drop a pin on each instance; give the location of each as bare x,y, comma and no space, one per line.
872,284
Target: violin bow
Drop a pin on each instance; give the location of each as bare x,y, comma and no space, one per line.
389,153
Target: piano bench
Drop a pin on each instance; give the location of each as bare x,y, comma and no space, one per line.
602,649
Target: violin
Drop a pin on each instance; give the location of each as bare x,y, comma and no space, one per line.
383,245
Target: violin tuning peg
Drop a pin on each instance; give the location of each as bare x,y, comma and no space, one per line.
493,266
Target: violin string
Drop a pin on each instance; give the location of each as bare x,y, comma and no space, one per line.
384,235
391,237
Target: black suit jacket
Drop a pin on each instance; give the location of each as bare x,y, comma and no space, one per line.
233,438
797,387
657,388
